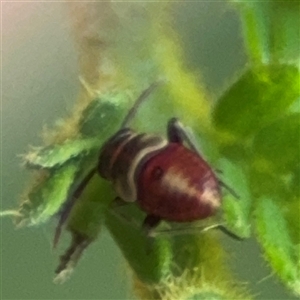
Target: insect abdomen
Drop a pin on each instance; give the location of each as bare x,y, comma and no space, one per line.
178,185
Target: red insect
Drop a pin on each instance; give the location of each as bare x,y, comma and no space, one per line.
166,179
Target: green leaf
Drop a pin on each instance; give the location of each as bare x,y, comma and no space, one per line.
274,236
258,97
271,30
58,154
104,115
46,198
98,122
275,159
278,144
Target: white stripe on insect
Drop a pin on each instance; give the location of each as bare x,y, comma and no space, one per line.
176,182
131,194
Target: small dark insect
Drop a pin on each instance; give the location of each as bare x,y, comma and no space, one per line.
166,179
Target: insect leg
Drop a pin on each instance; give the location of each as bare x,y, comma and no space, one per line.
195,230
225,230
150,223
64,214
229,189
69,260
114,210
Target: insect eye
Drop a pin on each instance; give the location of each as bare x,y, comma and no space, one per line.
157,173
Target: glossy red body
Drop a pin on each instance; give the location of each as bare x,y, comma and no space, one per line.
177,185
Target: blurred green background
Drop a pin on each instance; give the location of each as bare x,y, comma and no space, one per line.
39,85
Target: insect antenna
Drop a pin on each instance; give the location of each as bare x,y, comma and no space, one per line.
143,96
